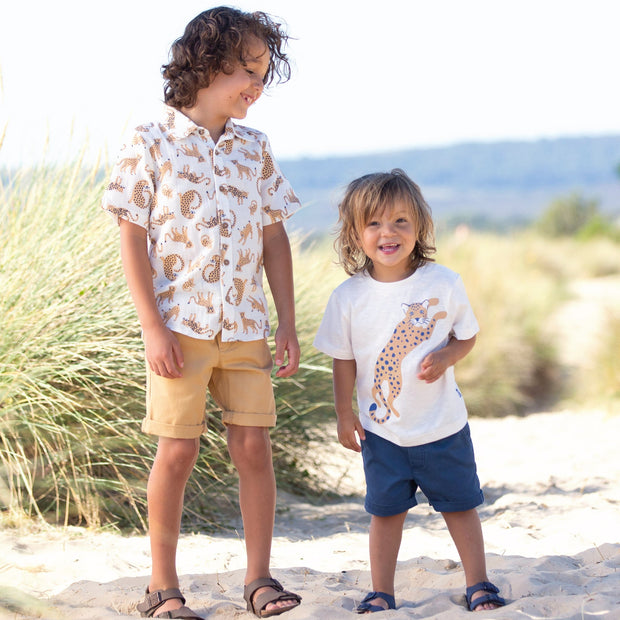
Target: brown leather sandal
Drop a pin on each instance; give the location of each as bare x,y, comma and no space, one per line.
257,604
154,600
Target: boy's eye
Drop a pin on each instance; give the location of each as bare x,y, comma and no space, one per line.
373,223
401,220
253,73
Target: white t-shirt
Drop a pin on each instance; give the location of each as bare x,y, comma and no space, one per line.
388,328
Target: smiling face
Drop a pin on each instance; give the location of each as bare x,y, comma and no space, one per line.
230,95
388,239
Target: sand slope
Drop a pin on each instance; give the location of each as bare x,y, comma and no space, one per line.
551,522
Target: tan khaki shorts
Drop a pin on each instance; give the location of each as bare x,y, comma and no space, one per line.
237,375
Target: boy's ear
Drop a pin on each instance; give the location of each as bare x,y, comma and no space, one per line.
227,67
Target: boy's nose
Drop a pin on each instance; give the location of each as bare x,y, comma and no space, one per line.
257,83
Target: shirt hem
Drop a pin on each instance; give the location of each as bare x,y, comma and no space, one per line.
419,440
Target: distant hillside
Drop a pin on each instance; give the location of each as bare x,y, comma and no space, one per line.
490,183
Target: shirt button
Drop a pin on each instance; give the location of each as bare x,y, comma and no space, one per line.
226,262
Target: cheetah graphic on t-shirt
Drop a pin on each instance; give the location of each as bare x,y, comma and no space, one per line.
415,328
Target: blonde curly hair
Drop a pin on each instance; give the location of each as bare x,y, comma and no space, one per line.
367,197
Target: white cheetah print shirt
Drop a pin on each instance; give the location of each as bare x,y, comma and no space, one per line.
204,206
364,321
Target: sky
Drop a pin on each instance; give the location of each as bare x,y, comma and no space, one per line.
367,76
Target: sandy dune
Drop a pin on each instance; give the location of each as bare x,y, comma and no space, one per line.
551,522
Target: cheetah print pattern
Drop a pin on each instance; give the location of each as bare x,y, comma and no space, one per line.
170,263
240,195
190,203
414,329
197,199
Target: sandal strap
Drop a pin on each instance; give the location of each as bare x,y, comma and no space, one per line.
491,596
365,605
154,600
257,603
261,582
183,613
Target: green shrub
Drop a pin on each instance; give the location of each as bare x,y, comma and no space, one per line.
599,226
574,215
72,370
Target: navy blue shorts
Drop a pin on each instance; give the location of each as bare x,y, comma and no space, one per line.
444,470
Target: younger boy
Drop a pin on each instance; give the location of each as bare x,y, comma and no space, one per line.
200,202
395,329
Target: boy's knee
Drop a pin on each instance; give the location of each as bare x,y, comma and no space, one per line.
177,454
249,446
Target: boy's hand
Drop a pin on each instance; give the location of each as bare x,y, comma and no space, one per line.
287,347
433,366
348,425
163,352
436,363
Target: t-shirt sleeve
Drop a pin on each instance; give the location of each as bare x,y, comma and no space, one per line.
130,194
279,201
465,325
334,334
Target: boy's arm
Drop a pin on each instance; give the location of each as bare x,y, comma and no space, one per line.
278,264
436,363
348,423
162,349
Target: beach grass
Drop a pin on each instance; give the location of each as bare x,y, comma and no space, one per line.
72,368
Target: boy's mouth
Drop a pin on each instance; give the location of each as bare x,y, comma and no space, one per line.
249,100
389,248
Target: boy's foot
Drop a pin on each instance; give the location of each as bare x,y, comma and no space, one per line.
266,597
481,606
376,601
483,596
168,603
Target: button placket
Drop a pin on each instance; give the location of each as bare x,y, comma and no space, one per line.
224,243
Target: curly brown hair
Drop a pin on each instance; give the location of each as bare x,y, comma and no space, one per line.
215,41
368,196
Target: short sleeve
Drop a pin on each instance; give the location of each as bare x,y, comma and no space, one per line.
465,325
334,334
279,201
130,194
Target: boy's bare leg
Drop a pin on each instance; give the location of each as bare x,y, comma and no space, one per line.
250,451
384,542
466,532
173,464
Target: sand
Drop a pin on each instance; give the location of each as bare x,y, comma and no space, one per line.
551,522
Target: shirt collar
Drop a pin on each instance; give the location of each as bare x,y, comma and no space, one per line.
181,126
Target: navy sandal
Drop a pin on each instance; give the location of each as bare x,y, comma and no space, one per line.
365,607
491,597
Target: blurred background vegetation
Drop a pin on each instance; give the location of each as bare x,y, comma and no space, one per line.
71,358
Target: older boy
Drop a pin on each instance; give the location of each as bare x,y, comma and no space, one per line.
200,202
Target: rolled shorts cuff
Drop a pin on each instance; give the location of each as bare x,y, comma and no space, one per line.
174,431
239,418
379,510
460,505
